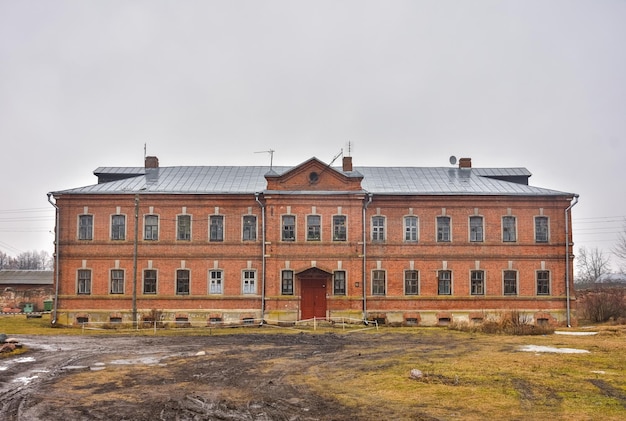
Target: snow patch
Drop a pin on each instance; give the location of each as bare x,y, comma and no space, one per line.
560,332
25,380
539,348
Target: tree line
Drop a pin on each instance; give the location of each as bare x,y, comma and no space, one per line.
29,260
601,301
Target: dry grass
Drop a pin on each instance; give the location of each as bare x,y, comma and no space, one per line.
467,375
485,377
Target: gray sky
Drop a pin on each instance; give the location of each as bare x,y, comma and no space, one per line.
535,84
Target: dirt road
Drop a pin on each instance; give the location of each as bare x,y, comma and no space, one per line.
226,377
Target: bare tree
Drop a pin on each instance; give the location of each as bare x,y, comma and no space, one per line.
33,260
590,264
619,250
5,260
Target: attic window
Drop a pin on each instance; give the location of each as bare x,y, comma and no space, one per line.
313,177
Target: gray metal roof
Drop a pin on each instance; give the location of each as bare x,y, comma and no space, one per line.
26,277
376,180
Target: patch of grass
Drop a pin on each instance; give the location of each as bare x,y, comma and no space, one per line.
482,376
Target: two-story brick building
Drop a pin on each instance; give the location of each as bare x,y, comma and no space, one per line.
405,245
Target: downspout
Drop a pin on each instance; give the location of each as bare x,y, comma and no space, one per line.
256,197
364,280
567,254
56,260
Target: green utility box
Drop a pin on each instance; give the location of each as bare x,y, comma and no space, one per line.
28,307
47,305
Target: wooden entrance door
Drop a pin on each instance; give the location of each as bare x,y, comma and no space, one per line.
313,298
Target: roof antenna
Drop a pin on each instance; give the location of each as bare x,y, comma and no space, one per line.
144,151
271,152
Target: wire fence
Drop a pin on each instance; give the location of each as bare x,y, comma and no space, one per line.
345,324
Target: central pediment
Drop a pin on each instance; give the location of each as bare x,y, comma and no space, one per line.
314,175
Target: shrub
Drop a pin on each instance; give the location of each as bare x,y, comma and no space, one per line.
509,323
600,304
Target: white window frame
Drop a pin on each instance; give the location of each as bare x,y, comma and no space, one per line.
248,281
114,287
216,283
85,231
411,232
120,236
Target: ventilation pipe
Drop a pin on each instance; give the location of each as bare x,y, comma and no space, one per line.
256,197
56,259
567,258
366,203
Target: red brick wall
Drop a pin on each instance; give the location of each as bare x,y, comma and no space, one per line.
234,255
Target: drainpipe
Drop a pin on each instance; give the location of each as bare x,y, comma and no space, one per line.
364,281
135,254
256,197
567,254
56,259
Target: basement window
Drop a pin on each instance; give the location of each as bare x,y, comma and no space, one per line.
115,320
82,320
444,321
411,321
247,321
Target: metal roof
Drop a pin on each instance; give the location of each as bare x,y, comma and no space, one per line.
26,277
376,180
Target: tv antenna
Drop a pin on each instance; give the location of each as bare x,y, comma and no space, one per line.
271,152
350,146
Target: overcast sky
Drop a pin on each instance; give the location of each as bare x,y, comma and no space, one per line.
535,84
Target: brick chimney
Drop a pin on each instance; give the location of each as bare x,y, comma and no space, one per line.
152,162
347,163
465,163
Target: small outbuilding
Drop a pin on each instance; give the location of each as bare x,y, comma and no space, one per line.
26,290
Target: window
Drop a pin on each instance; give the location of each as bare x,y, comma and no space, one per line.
339,282
149,281
410,228
183,231
339,228
118,227
443,229
85,227
378,282
508,229
117,281
313,228
249,282
411,283
84,281
287,282
510,282
543,282
151,228
541,229
476,228
444,279
378,228
477,282
249,228
182,282
289,228
215,281
216,228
